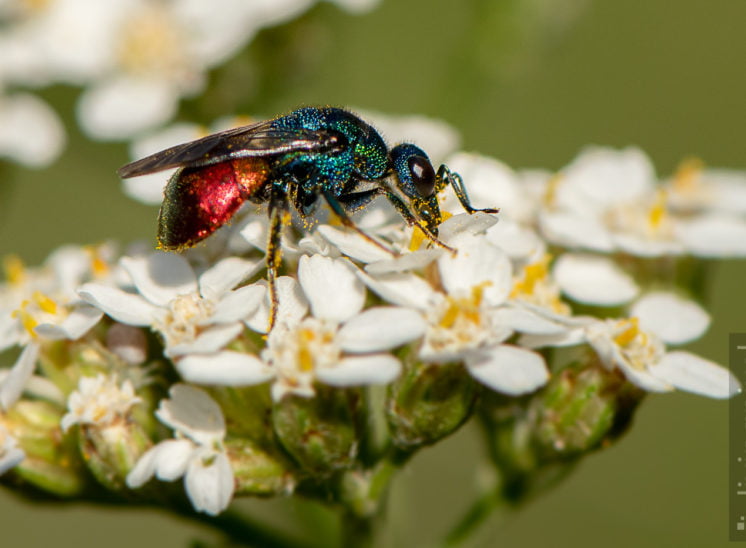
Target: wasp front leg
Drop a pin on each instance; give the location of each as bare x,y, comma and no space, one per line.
445,177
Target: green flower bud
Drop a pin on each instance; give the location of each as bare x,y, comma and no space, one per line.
428,402
52,461
111,451
579,410
259,472
320,432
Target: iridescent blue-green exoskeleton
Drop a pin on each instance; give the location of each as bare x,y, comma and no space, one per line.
294,159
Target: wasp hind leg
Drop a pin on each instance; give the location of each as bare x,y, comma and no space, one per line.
279,216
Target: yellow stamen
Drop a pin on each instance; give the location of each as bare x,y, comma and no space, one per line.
45,303
533,274
687,174
630,333
305,355
99,266
550,192
657,213
15,272
28,322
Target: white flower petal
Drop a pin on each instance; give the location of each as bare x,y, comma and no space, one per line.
10,457
172,458
407,261
525,320
13,384
593,280
161,277
30,132
401,289
209,483
170,455
673,319
381,328
292,305
80,320
225,275
124,307
353,244
466,223
147,189
192,412
209,340
689,372
122,106
477,263
225,368
714,236
331,286
238,304
575,231
361,370
508,369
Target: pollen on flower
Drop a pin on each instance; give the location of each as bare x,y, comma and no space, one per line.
28,321
459,321
99,266
183,318
15,271
639,348
550,191
296,354
100,401
535,286
45,303
648,219
688,175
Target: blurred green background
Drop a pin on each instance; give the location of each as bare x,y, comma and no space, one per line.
529,82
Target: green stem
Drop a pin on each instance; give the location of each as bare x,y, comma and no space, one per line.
474,517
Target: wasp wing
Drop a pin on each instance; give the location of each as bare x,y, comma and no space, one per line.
260,139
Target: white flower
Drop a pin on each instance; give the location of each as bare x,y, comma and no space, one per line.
100,401
194,314
339,345
30,131
697,189
197,453
465,322
643,359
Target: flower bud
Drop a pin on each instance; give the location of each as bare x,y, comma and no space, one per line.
259,472
428,402
320,432
52,462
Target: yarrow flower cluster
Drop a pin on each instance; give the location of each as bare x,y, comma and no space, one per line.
422,336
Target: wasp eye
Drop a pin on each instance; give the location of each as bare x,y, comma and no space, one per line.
423,175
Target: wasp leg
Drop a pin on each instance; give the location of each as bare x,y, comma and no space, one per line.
411,220
445,176
279,216
339,209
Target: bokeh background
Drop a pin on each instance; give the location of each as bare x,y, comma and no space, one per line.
529,82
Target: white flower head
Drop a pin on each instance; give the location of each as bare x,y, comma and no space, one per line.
338,345
463,321
642,357
101,401
194,314
198,453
